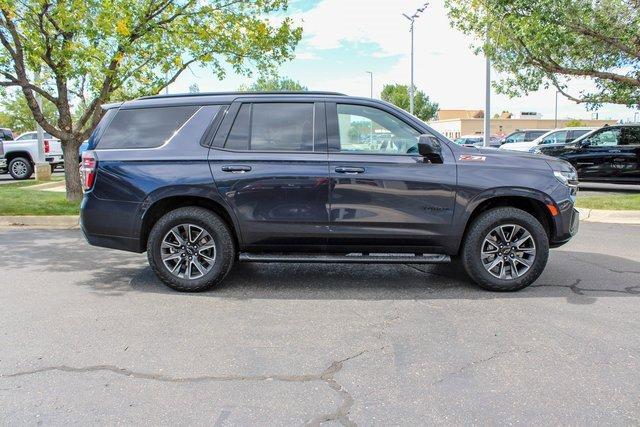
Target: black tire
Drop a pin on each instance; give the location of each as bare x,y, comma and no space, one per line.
474,240
23,168
225,251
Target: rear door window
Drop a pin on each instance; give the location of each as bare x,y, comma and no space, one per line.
631,136
145,127
530,136
273,127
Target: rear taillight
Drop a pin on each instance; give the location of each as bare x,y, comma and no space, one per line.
46,146
88,169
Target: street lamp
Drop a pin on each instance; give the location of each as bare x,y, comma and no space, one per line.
371,75
412,19
556,121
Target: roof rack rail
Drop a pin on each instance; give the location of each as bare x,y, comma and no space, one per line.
185,95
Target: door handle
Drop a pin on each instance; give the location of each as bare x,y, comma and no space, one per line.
342,169
236,168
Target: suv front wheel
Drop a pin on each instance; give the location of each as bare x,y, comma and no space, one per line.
191,249
506,249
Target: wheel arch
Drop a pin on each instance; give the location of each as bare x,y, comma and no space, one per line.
13,154
160,207
531,201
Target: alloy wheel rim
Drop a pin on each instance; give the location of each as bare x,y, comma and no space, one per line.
188,251
508,251
19,168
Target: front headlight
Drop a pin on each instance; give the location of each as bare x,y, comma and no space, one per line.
567,177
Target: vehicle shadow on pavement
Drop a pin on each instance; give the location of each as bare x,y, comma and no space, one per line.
581,277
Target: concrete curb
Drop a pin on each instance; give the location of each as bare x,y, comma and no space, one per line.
52,222
609,217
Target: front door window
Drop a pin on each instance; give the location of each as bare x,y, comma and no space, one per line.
373,131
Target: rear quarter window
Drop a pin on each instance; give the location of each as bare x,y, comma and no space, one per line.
144,127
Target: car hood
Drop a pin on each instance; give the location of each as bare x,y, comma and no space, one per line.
503,158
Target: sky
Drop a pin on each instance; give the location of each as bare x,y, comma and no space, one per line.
345,38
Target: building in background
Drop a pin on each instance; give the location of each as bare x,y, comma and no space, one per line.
455,123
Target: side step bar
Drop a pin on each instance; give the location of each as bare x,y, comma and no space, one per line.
348,258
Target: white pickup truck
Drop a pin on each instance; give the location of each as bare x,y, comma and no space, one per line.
18,157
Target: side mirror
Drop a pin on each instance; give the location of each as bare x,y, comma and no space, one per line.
430,148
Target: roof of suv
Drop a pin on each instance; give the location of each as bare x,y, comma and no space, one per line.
237,93
211,98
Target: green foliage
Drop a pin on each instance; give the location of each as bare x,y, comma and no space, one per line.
90,52
274,84
17,200
16,115
622,202
398,95
557,43
575,123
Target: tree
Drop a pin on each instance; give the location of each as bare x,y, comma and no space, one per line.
547,43
194,88
274,84
398,95
16,115
574,123
79,54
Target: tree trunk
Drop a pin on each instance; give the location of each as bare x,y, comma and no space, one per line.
71,170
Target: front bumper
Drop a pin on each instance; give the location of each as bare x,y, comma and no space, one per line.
3,163
566,225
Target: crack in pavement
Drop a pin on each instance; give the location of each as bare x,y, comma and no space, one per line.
629,290
474,363
341,414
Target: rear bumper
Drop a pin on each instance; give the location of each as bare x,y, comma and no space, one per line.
566,225
110,224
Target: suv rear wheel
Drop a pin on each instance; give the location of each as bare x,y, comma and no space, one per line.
20,168
506,249
191,249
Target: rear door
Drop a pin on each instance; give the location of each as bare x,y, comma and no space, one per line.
383,196
630,154
269,162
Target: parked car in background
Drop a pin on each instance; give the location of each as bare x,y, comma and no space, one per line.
525,135
22,153
470,140
83,147
201,181
609,154
556,136
477,141
6,134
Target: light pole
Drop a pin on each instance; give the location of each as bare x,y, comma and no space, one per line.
371,76
487,96
556,116
412,19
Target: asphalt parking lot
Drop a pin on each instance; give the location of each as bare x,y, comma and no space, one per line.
90,336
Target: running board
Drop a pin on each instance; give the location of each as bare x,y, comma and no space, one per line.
348,258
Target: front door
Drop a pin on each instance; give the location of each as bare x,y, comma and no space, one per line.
269,162
599,155
383,196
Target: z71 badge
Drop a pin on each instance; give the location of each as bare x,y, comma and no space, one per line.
472,158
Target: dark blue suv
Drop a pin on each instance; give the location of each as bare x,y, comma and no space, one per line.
204,180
